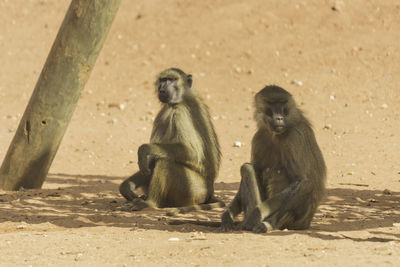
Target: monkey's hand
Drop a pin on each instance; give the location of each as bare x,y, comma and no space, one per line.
252,220
146,159
227,223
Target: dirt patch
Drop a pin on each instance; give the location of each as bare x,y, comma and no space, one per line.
338,58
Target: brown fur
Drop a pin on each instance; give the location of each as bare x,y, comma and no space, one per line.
180,164
284,183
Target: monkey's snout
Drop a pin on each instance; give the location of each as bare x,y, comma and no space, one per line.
163,96
279,121
278,124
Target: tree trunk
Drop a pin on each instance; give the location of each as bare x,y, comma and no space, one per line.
54,99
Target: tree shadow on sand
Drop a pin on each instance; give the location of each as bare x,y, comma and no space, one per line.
73,201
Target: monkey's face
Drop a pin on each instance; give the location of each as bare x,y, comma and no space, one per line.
275,109
272,115
276,117
168,90
172,84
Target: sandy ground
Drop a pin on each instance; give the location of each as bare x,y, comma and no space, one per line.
340,59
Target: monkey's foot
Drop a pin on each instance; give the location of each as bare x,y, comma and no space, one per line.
135,205
262,227
252,220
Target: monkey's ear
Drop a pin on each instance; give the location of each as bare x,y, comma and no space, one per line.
189,81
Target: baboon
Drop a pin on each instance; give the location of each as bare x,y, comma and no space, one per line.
285,181
180,164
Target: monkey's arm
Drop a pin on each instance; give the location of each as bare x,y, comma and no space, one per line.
149,153
234,208
128,186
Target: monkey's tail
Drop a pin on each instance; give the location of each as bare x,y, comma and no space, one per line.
211,204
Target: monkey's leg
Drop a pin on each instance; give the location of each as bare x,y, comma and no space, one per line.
280,211
296,216
127,188
261,219
250,197
249,191
130,184
247,197
266,209
174,185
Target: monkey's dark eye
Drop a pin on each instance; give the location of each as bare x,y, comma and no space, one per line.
268,111
285,111
167,79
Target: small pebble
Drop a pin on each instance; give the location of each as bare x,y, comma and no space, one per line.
112,121
337,5
237,144
113,105
173,239
296,82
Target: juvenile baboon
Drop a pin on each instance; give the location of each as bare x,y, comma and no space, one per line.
285,181
179,166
